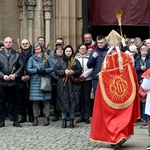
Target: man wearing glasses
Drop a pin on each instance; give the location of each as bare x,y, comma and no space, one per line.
26,104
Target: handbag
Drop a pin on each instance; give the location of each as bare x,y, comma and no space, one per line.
75,79
45,84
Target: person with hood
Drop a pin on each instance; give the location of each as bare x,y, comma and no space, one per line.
39,64
134,51
68,91
26,104
96,59
54,81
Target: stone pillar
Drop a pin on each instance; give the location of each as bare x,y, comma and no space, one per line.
20,5
30,4
67,21
47,7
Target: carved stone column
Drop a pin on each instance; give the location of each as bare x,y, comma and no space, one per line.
30,4
47,7
20,5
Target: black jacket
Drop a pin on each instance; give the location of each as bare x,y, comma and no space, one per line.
12,65
68,95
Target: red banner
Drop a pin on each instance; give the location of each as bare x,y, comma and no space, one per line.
135,12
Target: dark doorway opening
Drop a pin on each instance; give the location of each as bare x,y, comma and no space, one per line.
128,31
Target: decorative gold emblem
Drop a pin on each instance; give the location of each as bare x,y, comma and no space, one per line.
118,89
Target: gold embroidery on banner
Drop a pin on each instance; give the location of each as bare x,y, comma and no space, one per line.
118,86
107,63
111,69
118,89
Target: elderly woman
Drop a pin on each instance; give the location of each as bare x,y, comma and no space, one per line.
39,65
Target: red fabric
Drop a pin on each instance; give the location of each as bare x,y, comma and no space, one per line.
146,74
115,114
91,46
135,12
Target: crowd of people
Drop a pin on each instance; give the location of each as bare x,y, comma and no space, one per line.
74,75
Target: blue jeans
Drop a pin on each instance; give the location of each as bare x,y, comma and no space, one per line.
144,116
71,113
94,85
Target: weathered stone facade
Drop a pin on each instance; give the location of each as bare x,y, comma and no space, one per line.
49,18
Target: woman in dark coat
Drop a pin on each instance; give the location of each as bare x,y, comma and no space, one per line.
68,91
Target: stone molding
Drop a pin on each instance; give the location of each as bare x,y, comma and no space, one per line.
20,3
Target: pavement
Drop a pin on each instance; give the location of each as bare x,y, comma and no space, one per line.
53,137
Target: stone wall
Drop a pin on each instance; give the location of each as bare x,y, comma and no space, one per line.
51,19
9,19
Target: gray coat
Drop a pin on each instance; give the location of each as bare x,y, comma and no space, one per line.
35,79
68,94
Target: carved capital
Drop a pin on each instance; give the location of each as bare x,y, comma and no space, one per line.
20,4
47,5
30,3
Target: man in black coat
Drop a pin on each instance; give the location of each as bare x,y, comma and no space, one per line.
25,103
11,68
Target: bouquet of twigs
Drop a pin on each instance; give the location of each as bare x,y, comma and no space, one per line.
70,66
46,52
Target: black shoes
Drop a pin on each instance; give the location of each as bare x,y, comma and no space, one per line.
35,122
64,123
81,119
22,120
17,124
2,124
46,121
71,123
119,144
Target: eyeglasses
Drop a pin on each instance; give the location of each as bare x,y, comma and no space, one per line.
25,43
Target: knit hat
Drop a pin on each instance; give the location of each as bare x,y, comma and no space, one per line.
1,44
133,48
